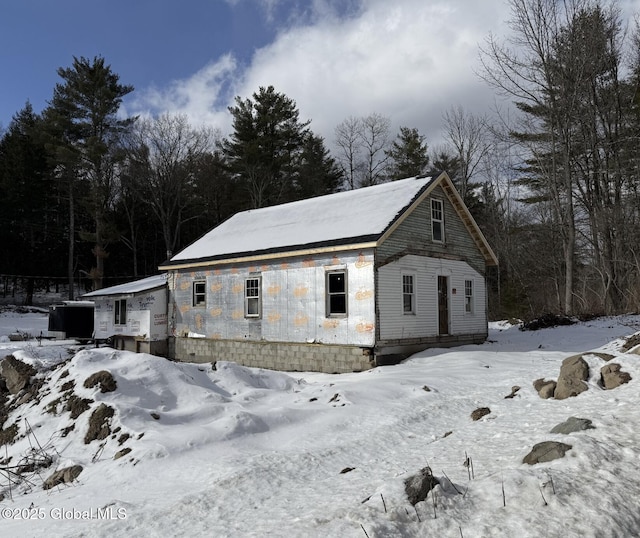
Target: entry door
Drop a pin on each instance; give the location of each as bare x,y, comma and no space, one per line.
443,305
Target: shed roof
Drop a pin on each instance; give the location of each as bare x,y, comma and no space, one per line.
355,216
129,288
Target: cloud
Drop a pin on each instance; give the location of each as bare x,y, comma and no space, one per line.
203,97
409,60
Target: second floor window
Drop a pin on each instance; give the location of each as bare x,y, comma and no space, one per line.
437,220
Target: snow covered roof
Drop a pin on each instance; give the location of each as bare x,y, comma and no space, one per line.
137,286
356,216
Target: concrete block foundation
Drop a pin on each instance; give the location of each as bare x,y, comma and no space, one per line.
284,356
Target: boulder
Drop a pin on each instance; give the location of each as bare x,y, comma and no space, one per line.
611,376
546,451
545,387
103,379
62,476
480,412
573,424
15,373
571,381
418,486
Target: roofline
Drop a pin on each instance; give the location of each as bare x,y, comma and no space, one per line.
272,254
97,293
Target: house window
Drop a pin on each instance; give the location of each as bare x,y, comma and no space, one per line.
199,293
252,297
408,294
468,296
437,220
336,291
120,312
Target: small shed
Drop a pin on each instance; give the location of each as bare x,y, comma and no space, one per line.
133,316
71,319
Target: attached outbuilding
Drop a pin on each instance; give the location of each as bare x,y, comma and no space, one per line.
336,283
132,316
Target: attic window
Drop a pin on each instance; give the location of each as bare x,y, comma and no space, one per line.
437,220
336,292
199,293
120,310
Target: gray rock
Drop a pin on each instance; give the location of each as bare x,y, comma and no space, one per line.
62,476
418,486
546,451
612,377
546,388
480,412
15,373
573,424
571,381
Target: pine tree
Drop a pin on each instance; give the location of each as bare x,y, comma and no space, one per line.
408,154
266,141
83,114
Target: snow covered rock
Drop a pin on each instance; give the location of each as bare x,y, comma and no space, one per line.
612,377
418,486
546,451
15,373
573,374
573,424
545,387
62,476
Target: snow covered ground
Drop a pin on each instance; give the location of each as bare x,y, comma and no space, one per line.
238,452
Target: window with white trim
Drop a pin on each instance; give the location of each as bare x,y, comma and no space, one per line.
408,294
437,220
252,295
468,296
120,312
336,293
199,293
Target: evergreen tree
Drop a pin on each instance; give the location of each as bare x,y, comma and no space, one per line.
408,154
83,114
30,213
264,146
318,172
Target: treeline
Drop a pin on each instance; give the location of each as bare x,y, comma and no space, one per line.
553,185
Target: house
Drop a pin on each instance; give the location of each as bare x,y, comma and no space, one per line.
337,283
133,316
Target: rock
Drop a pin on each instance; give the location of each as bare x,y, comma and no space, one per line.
571,381
418,486
121,453
611,376
99,424
545,387
15,373
573,424
62,476
546,451
514,391
104,379
480,412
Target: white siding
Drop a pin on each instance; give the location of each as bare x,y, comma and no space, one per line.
146,316
394,324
